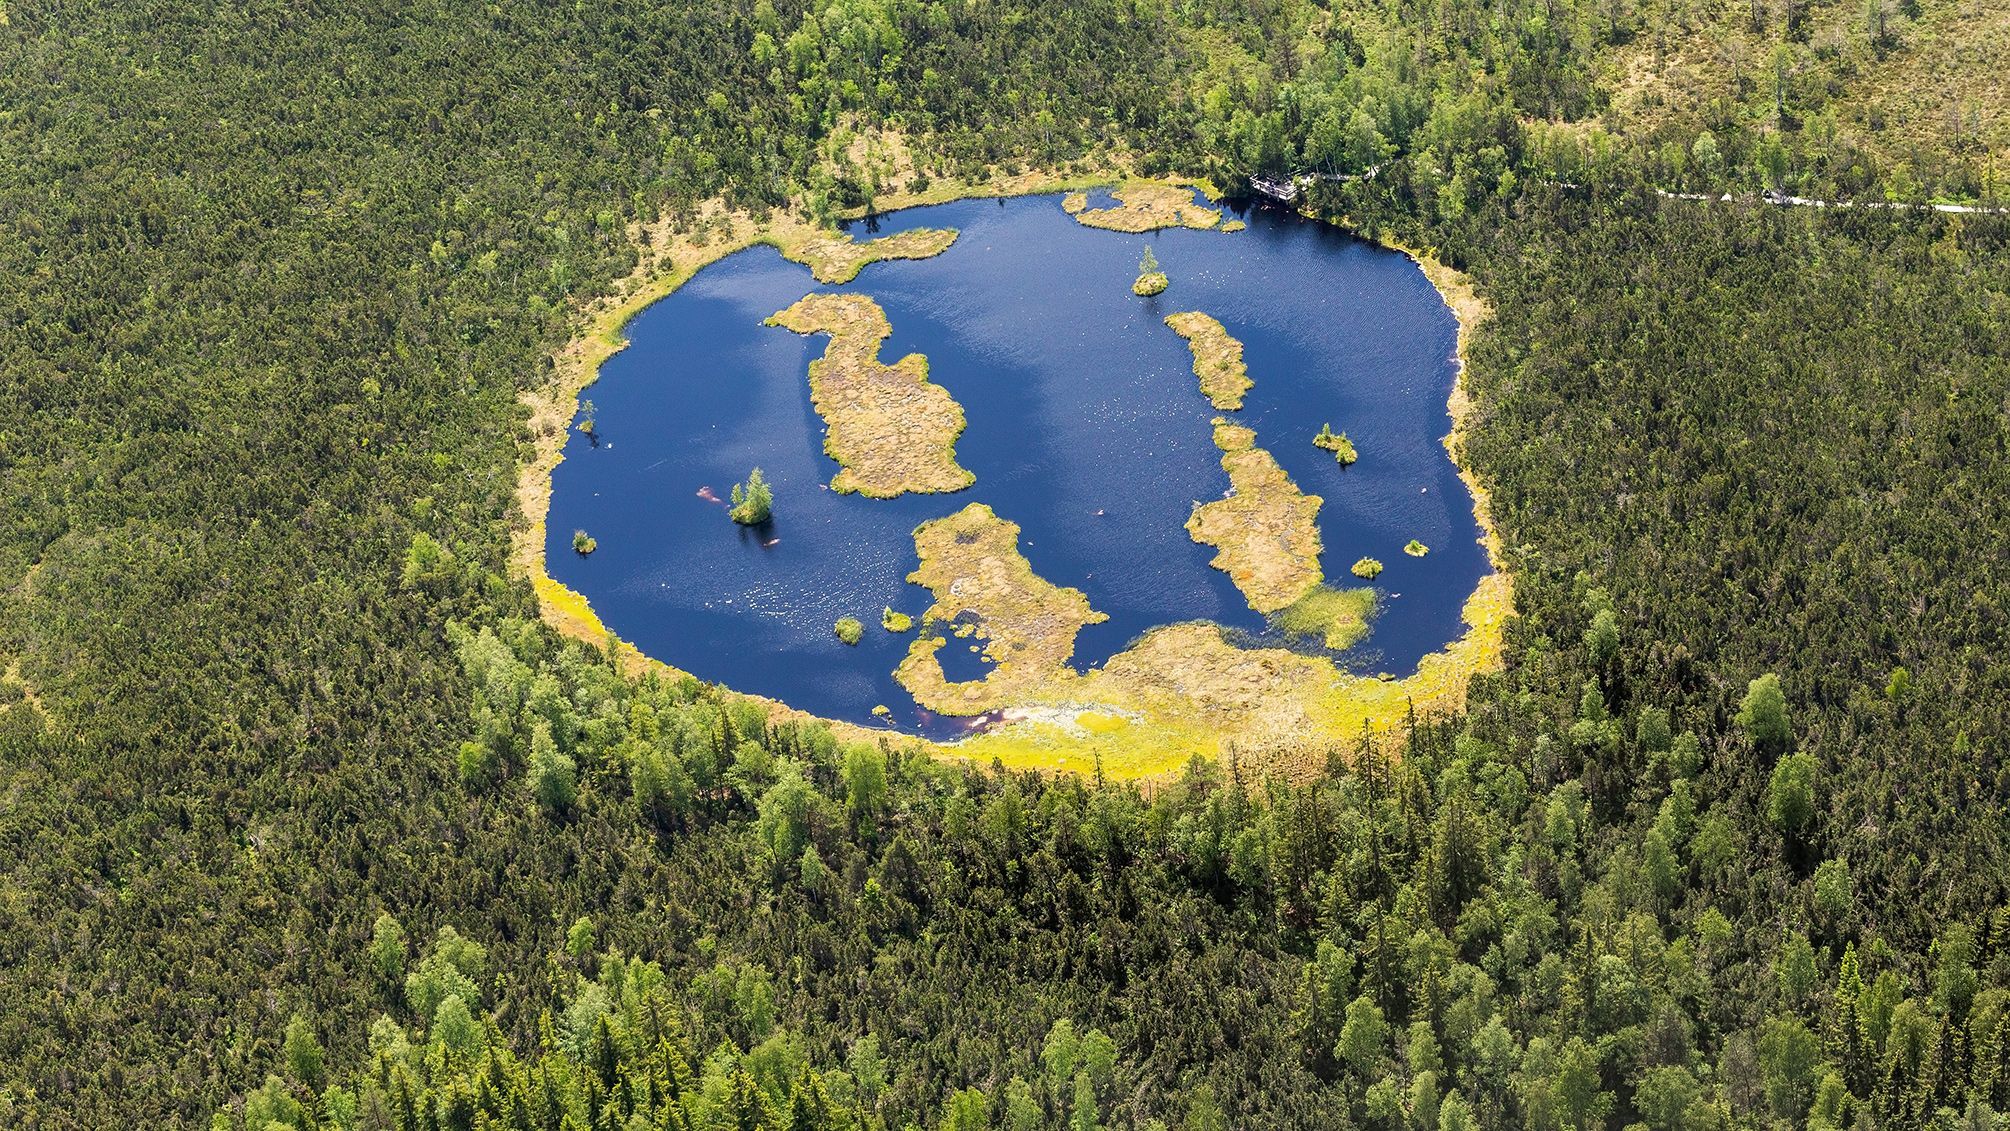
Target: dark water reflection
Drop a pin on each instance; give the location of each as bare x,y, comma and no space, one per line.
1085,428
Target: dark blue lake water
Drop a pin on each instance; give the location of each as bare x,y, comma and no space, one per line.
1086,428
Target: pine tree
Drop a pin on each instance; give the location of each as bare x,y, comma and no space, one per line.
753,501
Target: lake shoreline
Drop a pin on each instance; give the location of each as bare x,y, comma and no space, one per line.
670,259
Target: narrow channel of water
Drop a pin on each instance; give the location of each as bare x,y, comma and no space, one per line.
1086,428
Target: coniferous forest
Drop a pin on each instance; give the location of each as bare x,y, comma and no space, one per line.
307,821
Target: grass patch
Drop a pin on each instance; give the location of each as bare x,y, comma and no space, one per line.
1339,617
1147,207
1217,358
1265,533
1415,548
849,629
891,430
893,620
832,257
1367,569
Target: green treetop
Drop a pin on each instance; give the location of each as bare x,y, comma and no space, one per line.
753,501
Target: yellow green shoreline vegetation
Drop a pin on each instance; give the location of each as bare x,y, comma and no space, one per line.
1338,617
1217,358
890,429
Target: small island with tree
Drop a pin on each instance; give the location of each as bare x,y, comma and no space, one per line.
1337,443
1367,569
583,543
850,630
753,501
1151,281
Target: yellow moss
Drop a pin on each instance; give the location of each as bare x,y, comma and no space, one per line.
971,562
1266,532
1148,206
1096,722
889,428
832,257
1337,616
1217,358
1191,692
1130,752
569,607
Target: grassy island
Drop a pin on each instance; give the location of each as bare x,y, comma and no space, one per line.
890,430
893,620
1415,548
971,562
583,543
1217,358
1151,281
849,630
1146,208
1367,569
833,257
1265,532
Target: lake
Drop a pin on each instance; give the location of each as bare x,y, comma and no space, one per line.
1085,427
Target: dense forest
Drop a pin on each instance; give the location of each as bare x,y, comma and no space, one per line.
306,821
